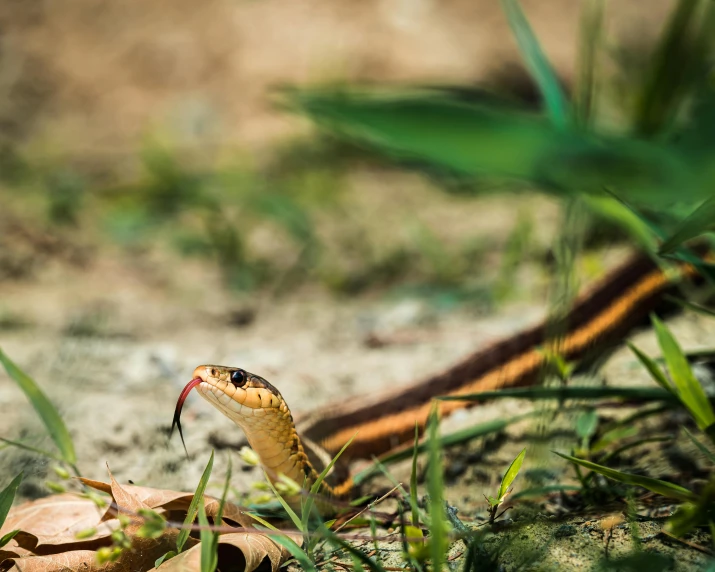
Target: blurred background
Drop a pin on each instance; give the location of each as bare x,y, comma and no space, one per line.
160,208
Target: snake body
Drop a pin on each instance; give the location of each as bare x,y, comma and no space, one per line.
599,319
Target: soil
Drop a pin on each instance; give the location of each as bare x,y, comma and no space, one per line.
113,345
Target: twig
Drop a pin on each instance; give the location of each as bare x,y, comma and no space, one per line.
369,507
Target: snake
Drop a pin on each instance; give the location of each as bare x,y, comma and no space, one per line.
599,319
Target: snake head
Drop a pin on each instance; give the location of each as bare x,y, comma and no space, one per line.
237,393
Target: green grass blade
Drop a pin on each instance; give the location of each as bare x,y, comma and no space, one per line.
295,551
455,438
671,74
700,221
543,491
655,372
567,392
413,480
319,481
686,304
435,486
371,563
7,495
664,488
315,488
510,475
703,449
224,494
590,35
32,449
194,505
688,387
209,541
291,513
554,99
633,444
47,412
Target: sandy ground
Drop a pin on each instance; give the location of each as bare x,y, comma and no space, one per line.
117,387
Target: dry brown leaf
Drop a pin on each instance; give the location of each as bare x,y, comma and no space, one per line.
73,561
123,498
54,521
233,550
175,500
47,540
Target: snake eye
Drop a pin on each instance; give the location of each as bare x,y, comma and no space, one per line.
238,377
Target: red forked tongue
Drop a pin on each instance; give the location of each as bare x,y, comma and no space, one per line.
177,413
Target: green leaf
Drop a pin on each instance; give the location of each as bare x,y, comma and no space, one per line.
688,387
587,423
7,495
536,62
209,541
47,412
8,537
194,505
655,372
700,221
510,475
690,515
158,562
484,139
664,488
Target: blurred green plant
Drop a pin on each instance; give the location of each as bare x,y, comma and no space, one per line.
48,414
664,155
505,487
698,508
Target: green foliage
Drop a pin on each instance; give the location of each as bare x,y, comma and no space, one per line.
655,485
567,392
462,436
540,68
479,140
194,505
676,68
7,495
44,408
685,384
209,541
510,475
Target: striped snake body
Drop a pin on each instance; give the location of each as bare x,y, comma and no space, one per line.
599,319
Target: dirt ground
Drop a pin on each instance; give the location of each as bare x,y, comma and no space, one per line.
114,344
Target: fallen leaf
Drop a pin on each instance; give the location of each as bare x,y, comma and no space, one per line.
73,561
240,550
54,521
169,500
